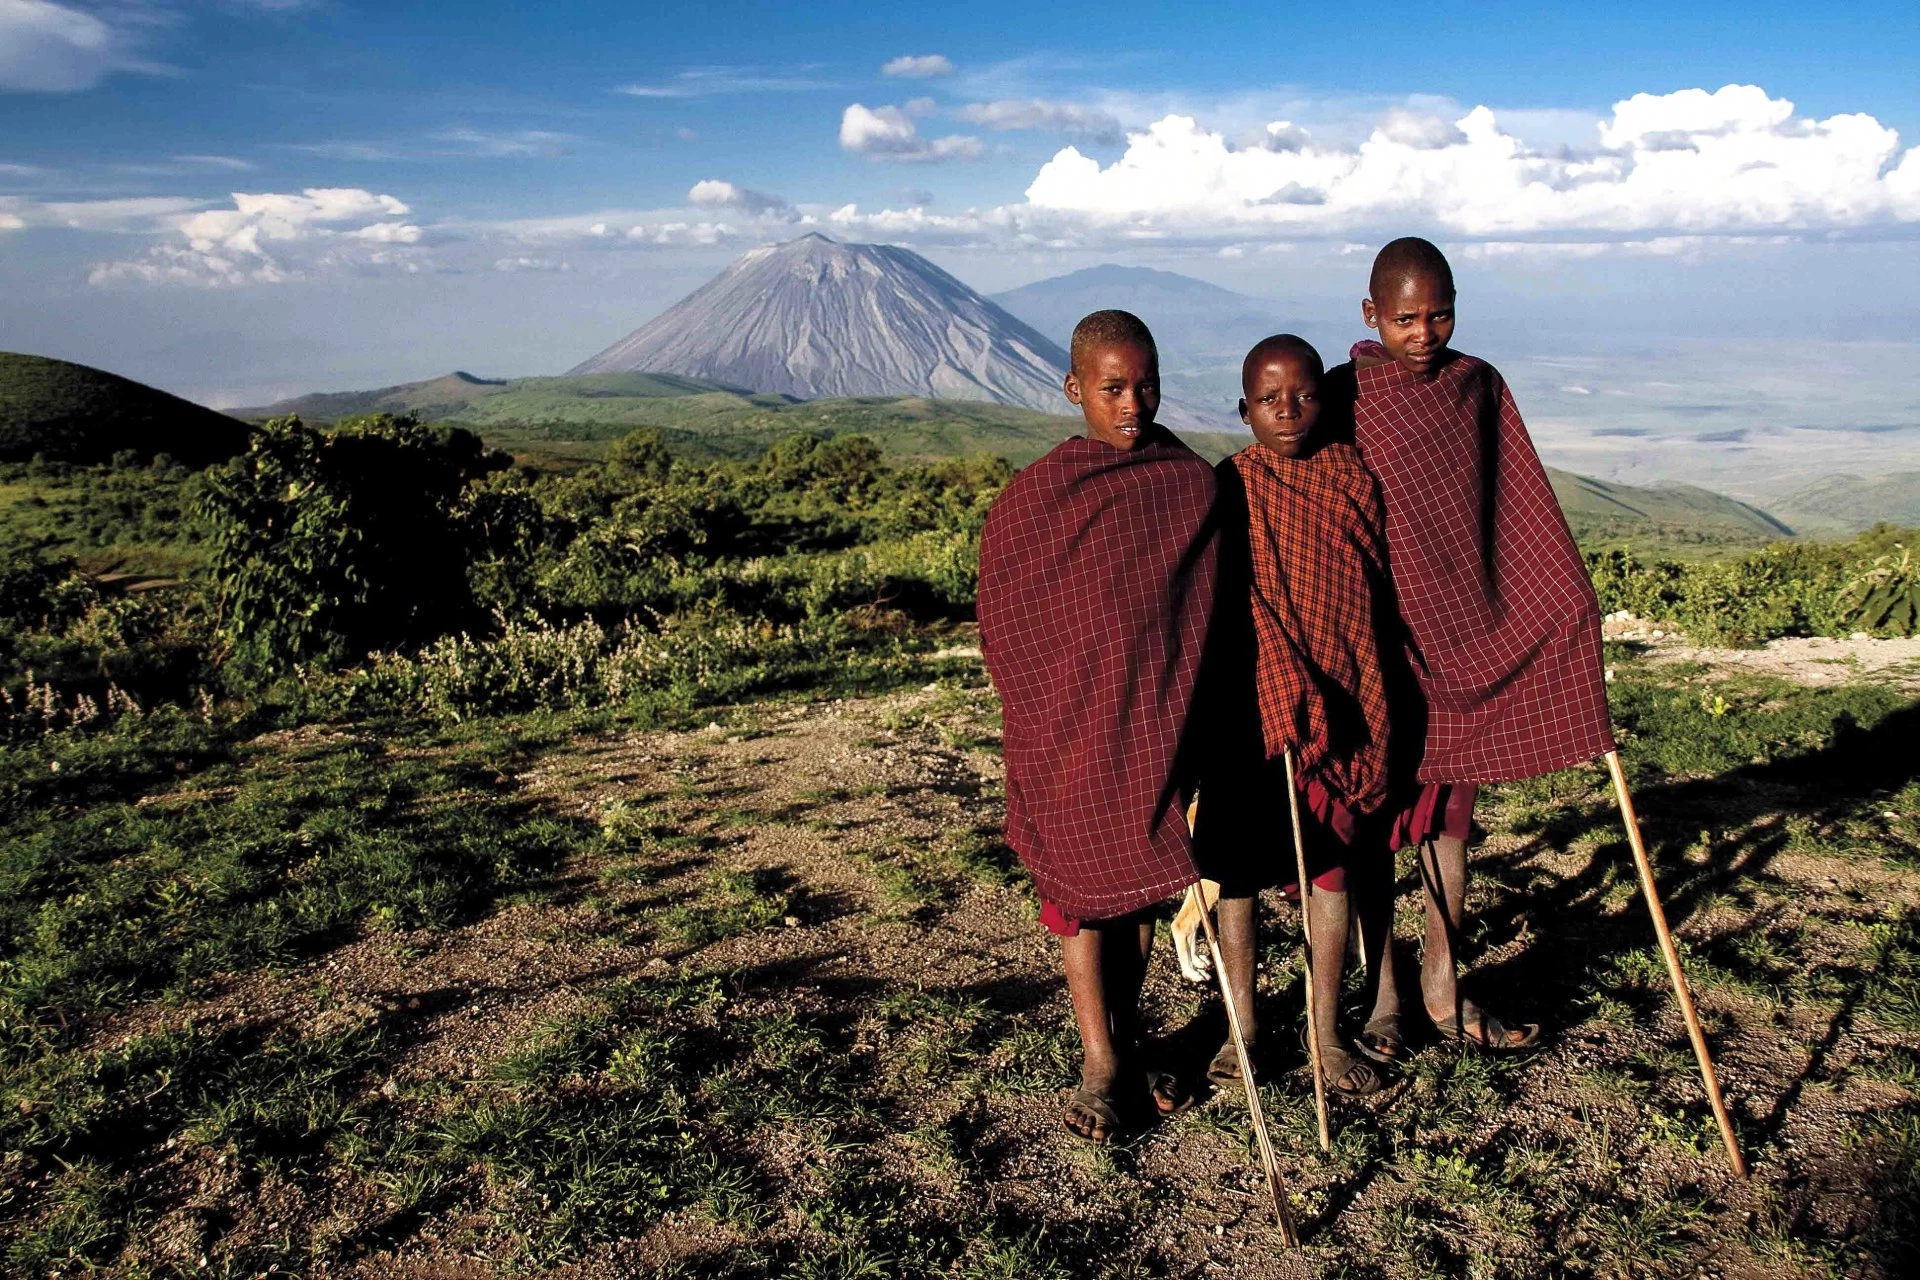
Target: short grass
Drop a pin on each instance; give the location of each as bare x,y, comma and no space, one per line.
736,1114
125,519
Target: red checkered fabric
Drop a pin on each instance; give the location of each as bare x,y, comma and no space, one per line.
1318,557
1503,621
1097,571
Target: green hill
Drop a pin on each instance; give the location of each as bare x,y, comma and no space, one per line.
569,419
1850,504
724,424
1663,515
574,417
71,413
601,397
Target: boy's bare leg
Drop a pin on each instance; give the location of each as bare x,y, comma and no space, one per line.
1238,938
1373,905
1327,923
1443,870
1106,964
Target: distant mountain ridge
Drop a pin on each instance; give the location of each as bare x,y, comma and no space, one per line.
75,413
816,318
1596,508
1850,503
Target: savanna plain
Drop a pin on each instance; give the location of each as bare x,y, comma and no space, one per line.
420,861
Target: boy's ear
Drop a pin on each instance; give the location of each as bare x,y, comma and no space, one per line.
1071,385
1243,412
1369,313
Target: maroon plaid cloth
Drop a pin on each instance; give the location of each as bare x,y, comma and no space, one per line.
1503,621
1096,580
1318,558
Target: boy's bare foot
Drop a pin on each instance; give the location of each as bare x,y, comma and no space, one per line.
1224,1070
1348,1074
1093,1112
1485,1030
1164,1090
1091,1116
1383,1040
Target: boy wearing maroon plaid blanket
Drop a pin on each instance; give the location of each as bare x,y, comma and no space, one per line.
1502,624
1096,584
1304,586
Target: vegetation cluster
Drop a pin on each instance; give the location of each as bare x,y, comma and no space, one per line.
298,705
384,565
387,565
1865,585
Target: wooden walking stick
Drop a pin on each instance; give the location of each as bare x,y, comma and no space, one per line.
1306,959
1672,957
1269,1162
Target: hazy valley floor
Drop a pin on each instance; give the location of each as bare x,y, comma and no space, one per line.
767,997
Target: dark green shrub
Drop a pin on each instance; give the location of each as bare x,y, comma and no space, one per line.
327,544
1792,589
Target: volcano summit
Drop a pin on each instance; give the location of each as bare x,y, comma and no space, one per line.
814,318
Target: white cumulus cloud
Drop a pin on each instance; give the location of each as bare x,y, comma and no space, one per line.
49,48
918,67
1731,162
272,237
713,193
1066,118
888,133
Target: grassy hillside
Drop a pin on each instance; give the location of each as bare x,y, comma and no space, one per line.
1848,504
1667,517
725,424
71,413
595,398
565,420
572,418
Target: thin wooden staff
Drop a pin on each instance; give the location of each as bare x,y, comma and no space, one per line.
1269,1162
1306,958
1672,956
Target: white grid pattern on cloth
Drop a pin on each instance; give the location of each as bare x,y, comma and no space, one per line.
1097,569
1503,619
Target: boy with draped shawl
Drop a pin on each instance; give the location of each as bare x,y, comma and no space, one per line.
1503,627
1306,618
1097,572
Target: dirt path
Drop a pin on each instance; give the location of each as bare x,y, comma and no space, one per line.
1818,662
839,861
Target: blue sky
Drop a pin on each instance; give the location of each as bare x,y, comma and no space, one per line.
508,187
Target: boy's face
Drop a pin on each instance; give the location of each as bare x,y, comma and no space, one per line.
1118,392
1415,320
1283,402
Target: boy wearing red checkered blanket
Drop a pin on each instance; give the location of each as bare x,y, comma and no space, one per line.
1502,625
1306,617
1096,585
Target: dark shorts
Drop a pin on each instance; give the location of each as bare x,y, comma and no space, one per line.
1441,809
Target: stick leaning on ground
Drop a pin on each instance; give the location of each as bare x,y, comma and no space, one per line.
1672,957
1269,1162
1306,959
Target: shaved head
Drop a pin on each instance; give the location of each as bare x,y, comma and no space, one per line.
1280,344
1409,257
1106,329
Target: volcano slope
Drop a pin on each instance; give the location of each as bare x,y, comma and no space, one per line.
757,991
815,318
